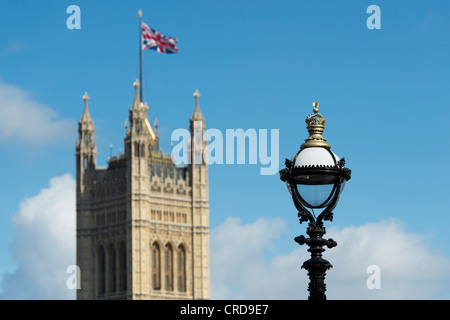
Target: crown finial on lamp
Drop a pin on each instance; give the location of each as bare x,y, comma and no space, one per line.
315,124
316,107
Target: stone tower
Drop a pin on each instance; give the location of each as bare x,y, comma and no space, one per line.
142,221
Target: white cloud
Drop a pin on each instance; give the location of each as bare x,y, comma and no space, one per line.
237,257
409,270
44,244
25,120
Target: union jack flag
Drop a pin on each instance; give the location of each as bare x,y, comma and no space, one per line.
154,40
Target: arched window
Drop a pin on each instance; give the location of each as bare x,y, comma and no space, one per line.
122,267
101,270
181,269
156,270
111,268
168,267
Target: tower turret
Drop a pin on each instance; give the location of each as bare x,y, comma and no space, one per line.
198,169
86,148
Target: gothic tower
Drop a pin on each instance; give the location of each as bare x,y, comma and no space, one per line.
142,221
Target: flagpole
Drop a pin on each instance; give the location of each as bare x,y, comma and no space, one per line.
140,54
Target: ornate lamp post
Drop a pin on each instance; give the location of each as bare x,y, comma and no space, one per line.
315,178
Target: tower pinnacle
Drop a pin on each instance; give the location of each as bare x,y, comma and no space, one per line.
137,101
197,115
86,119
86,97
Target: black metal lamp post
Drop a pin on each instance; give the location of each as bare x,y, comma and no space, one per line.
315,178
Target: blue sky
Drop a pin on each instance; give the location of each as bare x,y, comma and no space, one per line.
257,64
